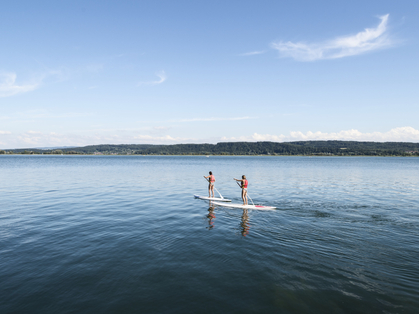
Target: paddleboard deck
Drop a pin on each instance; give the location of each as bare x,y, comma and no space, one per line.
259,207
212,198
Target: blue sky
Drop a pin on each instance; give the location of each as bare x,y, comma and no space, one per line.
124,72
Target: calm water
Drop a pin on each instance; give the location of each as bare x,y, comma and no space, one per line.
120,234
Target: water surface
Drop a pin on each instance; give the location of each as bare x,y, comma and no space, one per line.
107,234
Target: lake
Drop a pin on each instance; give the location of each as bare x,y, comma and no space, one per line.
123,234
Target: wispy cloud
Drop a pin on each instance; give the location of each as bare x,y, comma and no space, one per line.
39,117
94,67
49,139
8,86
198,120
215,119
162,77
368,40
161,128
45,114
252,53
162,139
5,132
401,134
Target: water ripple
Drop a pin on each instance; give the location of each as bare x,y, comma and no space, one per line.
115,234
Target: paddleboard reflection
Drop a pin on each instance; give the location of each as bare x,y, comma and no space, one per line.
244,224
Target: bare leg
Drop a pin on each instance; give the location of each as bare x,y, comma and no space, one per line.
209,190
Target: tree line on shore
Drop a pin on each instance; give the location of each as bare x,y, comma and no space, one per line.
305,148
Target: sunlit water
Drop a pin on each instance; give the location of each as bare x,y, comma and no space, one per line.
122,234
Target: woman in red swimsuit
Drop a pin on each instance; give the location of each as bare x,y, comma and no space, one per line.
211,180
243,185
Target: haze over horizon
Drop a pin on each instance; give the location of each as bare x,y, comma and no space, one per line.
163,72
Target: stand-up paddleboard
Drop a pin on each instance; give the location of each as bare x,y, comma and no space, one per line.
212,198
259,207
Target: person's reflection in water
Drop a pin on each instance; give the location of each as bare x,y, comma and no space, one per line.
244,224
210,216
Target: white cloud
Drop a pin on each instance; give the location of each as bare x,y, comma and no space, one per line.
252,53
368,40
8,86
162,77
401,134
52,139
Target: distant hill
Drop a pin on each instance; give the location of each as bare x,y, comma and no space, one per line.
306,148
55,147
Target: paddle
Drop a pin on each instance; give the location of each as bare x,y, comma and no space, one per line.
214,188
247,193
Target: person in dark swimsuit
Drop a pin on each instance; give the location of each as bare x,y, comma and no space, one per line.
243,185
211,180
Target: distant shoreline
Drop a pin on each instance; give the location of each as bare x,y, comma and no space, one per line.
300,148
192,155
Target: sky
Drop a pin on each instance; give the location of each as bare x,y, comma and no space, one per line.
76,73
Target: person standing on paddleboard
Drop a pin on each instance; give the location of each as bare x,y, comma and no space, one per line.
211,180
243,185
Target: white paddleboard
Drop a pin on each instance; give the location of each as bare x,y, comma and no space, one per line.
259,207
212,198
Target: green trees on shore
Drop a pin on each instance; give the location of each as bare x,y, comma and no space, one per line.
305,148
